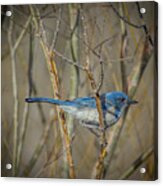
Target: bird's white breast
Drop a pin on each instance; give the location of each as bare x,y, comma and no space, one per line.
90,116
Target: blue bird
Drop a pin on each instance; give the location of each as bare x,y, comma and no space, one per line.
84,108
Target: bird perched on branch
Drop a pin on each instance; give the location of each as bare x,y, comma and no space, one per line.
85,110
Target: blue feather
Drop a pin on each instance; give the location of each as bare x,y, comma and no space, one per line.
84,109
47,100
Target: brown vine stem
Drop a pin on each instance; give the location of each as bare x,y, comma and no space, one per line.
51,64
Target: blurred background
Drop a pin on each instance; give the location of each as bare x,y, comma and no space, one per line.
43,52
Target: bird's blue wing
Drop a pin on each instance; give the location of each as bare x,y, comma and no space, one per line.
90,102
85,102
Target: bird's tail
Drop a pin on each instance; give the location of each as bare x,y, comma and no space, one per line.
47,100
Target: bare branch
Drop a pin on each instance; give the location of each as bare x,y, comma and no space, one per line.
101,72
141,159
51,64
68,60
13,48
144,25
19,39
55,35
99,165
109,39
38,150
124,19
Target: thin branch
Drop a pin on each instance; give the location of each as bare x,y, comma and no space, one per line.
122,59
6,145
56,32
51,64
141,159
144,25
109,39
136,75
124,19
99,165
101,76
13,48
15,95
32,86
71,62
123,50
133,24
26,107
80,38
49,161
19,39
74,71
89,73
101,72
17,24
22,135
27,170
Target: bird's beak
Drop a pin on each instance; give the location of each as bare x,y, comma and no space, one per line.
132,102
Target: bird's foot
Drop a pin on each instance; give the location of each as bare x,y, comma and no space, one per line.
102,129
103,144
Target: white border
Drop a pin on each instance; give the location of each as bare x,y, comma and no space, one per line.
6,2
57,182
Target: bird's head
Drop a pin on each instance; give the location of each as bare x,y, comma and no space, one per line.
119,100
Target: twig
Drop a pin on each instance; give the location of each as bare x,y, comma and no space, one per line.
135,77
22,135
123,50
86,44
6,145
13,48
49,55
49,161
101,72
144,25
125,20
122,59
141,159
19,39
133,24
55,35
17,24
76,63
14,83
74,73
37,151
26,107
102,154
105,41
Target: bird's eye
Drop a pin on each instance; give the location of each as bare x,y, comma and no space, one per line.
122,99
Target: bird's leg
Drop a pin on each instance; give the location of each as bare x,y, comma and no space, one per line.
111,112
93,132
90,128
